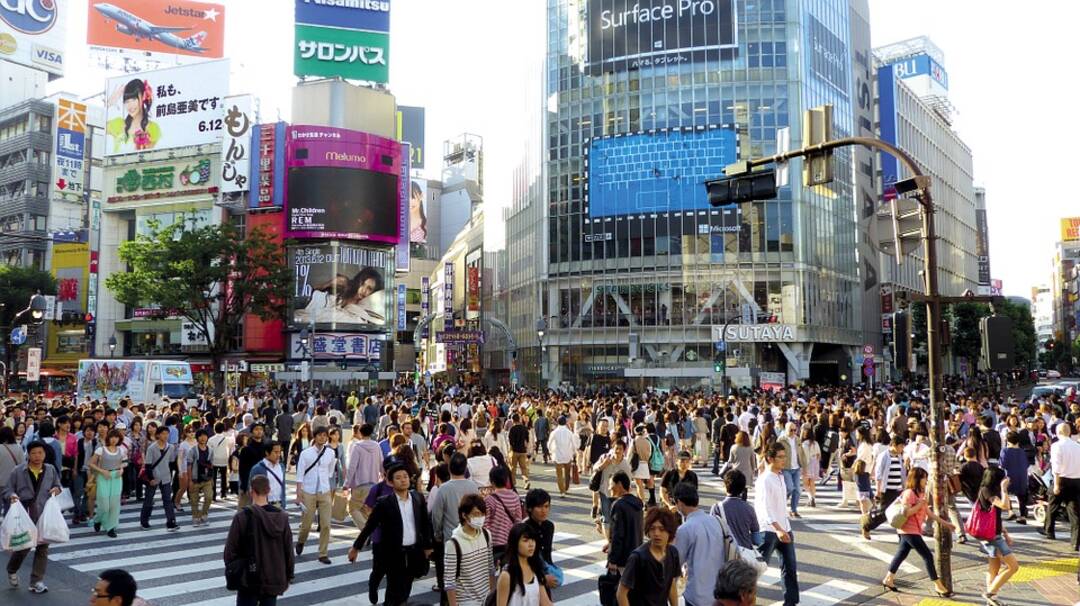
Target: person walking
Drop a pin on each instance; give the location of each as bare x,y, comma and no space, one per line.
107,463
272,466
364,471
624,532
200,473
916,509
520,582
993,497
260,532
159,455
31,483
518,438
794,464
770,495
700,545
468,561
738,515
1065,466
651,569
221,445
114,587
406,536
889,474
1014,462
563,445
444,507
608,465
315,469
504,510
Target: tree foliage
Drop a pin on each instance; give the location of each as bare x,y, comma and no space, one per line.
963,320
212,275
17,285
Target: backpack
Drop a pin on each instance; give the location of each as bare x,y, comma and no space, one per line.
656,457
832,441
457,550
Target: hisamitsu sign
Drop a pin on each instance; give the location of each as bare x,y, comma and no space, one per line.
755,333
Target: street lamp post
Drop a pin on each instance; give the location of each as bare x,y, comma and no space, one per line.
304,339
541,327
112,346
36,309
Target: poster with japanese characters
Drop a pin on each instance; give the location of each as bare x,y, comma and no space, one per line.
331,52
236,145
69,161
341,286
166,108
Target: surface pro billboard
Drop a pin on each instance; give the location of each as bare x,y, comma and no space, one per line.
342,184
632,34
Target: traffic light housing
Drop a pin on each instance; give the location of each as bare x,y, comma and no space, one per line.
742,187
998,351
901,344
818,129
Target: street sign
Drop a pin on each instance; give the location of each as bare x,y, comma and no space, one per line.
33,364
868,349
868,367
18,335
783,145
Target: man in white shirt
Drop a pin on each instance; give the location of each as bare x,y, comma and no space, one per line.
314,471
1065,465
770,494
563,445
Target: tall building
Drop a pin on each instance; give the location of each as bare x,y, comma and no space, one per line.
1042,300
915,115
641,275
1063,284
26,143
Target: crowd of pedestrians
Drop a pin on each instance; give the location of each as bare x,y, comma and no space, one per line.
441,478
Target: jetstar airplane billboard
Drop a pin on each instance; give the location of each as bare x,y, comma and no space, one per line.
168,27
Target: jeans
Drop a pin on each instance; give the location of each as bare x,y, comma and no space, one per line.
605,508
253,599
78,492
916,542
148,503
788,570
793,481
716,459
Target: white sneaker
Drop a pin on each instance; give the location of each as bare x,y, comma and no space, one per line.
38,587
13,580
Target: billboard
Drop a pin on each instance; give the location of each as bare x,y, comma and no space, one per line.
1070,229
32,33
155,181
236,145
632,34
268,165
890,167
401,259
329,52
366,15
410,129
342,184
68,161
71,267
656,172
112,380
982,247
418,225
338,346
342,286
138,28
828,56
166,108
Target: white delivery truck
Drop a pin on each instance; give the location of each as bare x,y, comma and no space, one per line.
141,381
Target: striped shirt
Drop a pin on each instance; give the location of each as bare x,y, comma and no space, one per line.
498,523
472,581
895,481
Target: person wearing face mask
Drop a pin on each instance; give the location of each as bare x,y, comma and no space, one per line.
467,558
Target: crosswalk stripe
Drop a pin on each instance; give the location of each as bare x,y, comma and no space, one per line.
828,593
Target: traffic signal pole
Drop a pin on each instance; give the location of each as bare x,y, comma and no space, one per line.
942,539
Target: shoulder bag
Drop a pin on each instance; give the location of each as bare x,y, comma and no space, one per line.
146,474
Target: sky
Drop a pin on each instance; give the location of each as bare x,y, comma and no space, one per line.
468,62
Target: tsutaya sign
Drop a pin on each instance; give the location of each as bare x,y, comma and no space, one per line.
768,333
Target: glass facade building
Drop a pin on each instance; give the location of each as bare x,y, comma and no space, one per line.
646,100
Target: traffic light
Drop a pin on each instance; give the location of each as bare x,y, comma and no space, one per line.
741,187
997,342
719,363
901,344
343,365
817,129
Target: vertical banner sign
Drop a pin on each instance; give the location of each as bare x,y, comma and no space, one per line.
268,165
890,167
70,147
448,293
33,364
425,302
401,262
982,247
401,307
473,276
236,145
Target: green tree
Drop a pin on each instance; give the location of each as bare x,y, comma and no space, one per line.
17,285
1024,339
212,275
966,337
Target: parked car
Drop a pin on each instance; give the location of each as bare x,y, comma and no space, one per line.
1053,374
1045,391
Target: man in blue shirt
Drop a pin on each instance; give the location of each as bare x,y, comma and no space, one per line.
384,444
700,542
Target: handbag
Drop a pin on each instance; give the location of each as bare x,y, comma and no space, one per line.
608,585
733,550
575,475
555,571
594,481
146,474
241,571
895,515
981,524
340,508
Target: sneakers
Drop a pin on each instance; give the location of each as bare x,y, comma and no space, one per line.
172,527
144,526
111,534
38,587
97,526
197,522
13,580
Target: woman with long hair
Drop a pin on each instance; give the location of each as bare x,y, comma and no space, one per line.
741,456
812,453
108,464
519,583
994,497
917,510
301,440
187,442
342,298
134,131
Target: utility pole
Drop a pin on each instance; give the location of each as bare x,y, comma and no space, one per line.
743,184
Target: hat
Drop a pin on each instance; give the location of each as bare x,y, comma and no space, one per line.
121,425
685,454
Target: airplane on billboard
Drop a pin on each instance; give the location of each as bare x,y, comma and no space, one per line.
141,29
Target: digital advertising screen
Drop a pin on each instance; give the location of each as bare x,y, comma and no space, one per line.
656,172
634,34
342,286
342,184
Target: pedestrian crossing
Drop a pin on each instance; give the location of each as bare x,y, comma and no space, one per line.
186,567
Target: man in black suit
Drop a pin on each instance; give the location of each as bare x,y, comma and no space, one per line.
406,535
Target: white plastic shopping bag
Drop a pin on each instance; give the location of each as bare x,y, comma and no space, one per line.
66,502
51,526
17,531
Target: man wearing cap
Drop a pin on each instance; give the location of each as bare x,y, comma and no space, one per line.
563,445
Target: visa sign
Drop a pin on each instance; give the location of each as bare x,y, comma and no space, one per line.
29,16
